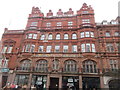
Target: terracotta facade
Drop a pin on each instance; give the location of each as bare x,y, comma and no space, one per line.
63,51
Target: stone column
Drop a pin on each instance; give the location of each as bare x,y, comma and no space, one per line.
80,82
0,80
60,82
29,81
48,81
101,82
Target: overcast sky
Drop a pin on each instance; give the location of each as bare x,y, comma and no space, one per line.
14,13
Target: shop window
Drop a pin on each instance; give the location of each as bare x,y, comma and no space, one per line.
21,80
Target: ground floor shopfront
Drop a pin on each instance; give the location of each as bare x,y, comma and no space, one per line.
58,81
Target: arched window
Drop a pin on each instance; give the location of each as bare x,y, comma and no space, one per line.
50,37
74,36
89,66
58,37
25,65
70,66
65,36
42,37
55,64
41,66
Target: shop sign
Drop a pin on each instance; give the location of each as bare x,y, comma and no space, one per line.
56,55
4,70
70,80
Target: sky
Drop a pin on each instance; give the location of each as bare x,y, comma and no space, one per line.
14,13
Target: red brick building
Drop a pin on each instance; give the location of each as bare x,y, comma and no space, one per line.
63,51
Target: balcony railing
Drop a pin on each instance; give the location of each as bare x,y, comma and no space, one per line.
85,70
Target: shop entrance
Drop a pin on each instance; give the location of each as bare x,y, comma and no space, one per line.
54,84
91,83
114,84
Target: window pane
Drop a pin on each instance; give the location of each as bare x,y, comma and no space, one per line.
92,34
42,37
74,36
74,48
4,49
88,47
50,37
65,48
34,23
58,36
32,48
107,34
40,49
93,48
57,48
48,48
83,48
82,34
87,34
65,36
10,49
27,48
34,36
29,36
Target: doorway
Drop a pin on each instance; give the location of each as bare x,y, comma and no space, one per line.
54,84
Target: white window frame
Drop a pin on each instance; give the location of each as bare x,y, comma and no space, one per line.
48,48
66,36
65,48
